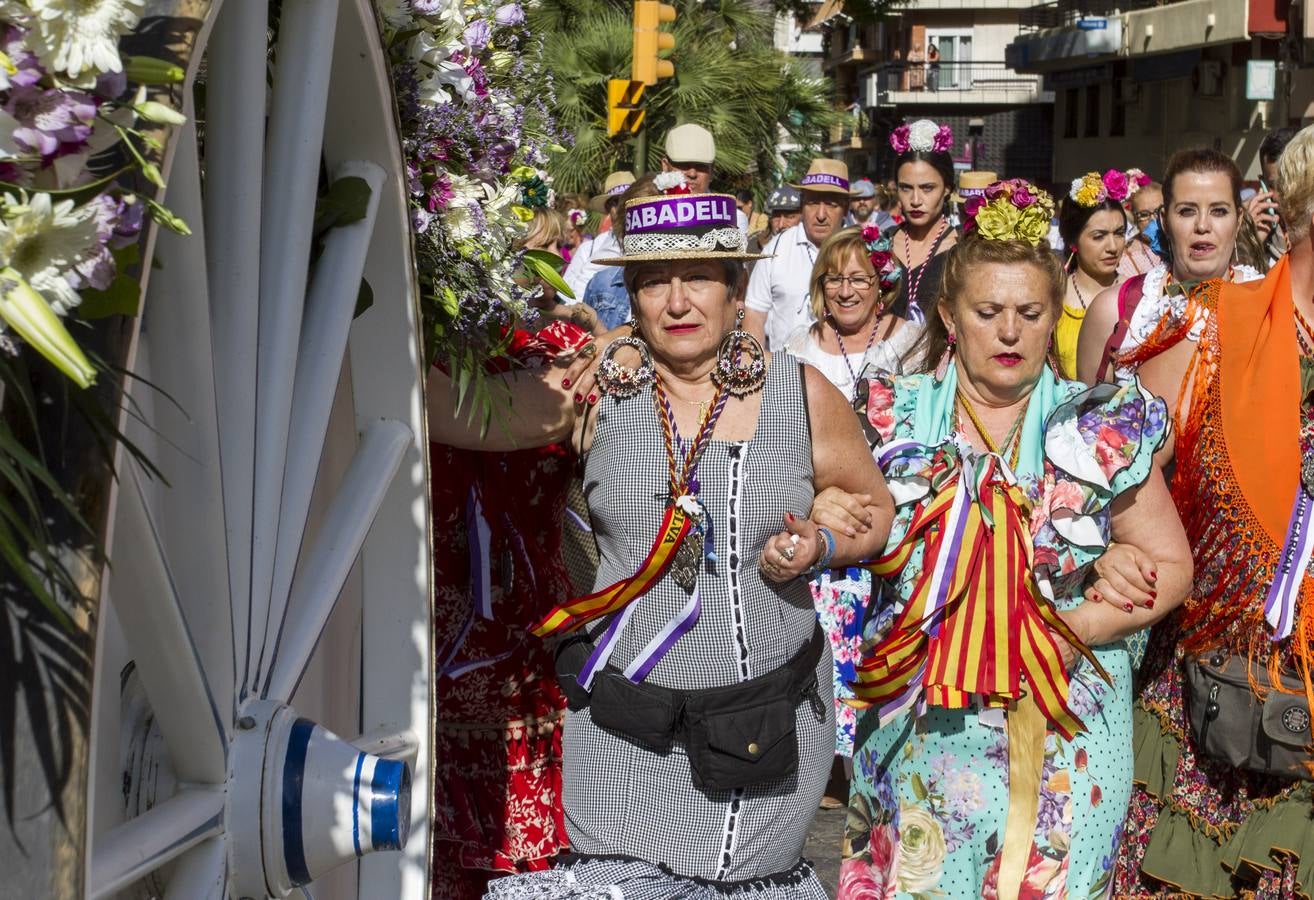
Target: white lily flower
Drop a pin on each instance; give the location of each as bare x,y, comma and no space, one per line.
82,36
44,241
31,318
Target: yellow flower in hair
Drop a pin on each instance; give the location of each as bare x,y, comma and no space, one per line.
998,220
1032,225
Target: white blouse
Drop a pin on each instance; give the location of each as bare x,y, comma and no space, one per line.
887,356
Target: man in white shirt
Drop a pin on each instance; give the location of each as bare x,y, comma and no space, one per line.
691,149
582,267
778,290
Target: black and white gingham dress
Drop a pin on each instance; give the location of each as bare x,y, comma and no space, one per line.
622,800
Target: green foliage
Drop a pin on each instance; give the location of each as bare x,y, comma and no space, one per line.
728,77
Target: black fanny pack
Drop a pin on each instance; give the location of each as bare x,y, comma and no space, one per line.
735,736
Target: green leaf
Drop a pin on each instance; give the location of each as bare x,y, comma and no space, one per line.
545,266
121,298
347,201
364,299
918,787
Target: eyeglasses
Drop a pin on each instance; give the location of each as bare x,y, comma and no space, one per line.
1146,215
857,282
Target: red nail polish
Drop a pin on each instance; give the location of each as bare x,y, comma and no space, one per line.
593,398
1095,595
1153,594
579,398
1149,604
1129,607
1154,576
565,382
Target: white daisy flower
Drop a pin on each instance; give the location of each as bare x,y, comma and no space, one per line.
76,36
44,242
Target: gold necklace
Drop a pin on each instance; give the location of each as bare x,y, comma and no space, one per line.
1012,439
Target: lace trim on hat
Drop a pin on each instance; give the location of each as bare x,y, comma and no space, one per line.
727,239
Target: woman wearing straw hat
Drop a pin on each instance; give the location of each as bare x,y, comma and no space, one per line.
701,731
582,266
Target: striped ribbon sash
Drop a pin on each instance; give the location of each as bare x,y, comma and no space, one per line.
976,622
573,614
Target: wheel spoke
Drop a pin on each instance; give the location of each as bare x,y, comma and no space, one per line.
234,165
330,305
333,553
189,510
296,132
201,873
143,844
147,602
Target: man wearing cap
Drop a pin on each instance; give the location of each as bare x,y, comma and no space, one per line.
582,267
777,301
691,149
862,209
783,211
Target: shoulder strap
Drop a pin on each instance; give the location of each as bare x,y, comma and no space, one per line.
1129,297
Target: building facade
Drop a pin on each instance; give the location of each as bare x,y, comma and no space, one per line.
942,60
1135,80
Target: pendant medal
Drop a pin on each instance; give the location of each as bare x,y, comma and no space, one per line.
688,559
1307,474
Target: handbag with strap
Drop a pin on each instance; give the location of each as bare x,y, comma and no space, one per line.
1269,734
1129,297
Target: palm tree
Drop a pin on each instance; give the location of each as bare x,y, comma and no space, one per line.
728,77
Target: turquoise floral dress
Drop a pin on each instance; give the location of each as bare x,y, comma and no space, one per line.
930,792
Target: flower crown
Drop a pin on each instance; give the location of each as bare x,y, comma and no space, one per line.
1092,189
577,217
880,250
1012,210
924,136
672,183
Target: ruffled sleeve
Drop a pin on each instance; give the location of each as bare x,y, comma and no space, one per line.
886,404
1098,444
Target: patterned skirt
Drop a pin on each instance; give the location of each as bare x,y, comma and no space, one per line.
609,878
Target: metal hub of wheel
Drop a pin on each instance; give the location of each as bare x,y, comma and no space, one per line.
273,575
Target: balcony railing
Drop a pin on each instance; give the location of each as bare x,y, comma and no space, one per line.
946,78
1061,13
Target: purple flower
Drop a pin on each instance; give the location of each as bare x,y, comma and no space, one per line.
477,35
899,139
974,204
944,139
51,122
995,190
509,14
1022,197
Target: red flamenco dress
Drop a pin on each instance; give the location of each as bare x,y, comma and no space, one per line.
497,794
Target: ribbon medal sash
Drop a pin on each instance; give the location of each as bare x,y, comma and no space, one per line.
683,539
976,623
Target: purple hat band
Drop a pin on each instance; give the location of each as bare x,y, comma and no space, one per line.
618,189
822,178
680,213
971,192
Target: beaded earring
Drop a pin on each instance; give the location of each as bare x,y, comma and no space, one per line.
942,367
736,375
621,381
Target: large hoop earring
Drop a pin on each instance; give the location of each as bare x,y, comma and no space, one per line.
734,374
621,381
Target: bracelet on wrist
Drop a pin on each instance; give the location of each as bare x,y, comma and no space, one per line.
827,551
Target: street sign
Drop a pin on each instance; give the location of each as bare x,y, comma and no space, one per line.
1261,79
1093,24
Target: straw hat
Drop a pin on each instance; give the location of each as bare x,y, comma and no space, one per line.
681,226
690,144
973,184
826,176
616,184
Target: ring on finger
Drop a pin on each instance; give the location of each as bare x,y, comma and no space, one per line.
788,553
589,351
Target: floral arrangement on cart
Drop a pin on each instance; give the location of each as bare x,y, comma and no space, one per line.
82,129
473,102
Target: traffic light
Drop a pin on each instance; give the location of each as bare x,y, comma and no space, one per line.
623,111
649,40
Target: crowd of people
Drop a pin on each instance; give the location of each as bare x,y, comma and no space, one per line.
981,509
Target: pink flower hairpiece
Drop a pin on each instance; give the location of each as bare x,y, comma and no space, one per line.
923,136
1092,189
1136,179
577,217
1014,209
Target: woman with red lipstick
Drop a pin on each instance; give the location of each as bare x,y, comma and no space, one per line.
1200,219
924,173
1032,535
1093,227
700,733
1223,803
854,282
